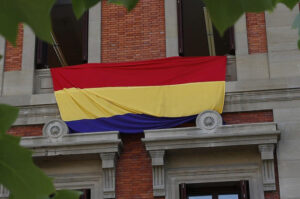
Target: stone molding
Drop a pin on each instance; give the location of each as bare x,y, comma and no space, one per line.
158,172
77,181
4,193
223,136
268,170
209,121
109,172
61,143
55,129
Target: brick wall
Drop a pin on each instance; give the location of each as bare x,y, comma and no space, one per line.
256,30
248,117
138,35
13,54
134,170
32,130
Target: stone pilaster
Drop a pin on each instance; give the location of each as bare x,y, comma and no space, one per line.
158,172
268,171
4,193
109,171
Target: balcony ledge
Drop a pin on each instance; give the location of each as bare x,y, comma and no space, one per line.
223,136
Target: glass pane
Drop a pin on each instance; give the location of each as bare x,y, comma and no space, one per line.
228,196
200,197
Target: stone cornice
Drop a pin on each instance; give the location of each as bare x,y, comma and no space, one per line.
224,136
261,99
72,144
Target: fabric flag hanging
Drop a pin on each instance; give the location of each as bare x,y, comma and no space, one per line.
134,96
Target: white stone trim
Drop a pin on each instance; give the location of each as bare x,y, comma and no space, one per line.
109,173
158,172
94,34
171,28
249,172
2,52
73,144
92,181
241,37
4,193
28,51
268,170
223,136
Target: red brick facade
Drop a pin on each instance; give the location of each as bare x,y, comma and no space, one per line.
13,54
256,30
32,130
134,170
248,117
138,35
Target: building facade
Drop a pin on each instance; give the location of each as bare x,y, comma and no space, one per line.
254,153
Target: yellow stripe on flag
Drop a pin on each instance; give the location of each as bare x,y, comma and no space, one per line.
161,101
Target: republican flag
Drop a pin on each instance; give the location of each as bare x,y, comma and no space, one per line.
134,96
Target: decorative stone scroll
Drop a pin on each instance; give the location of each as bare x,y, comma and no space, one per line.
209,120
158,172
55,129
268,171
108,168
4,193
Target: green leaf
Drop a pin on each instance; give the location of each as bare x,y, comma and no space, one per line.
67,194
18,173
296,24
35,13
80,6
8,115
129,4
289,3
225,13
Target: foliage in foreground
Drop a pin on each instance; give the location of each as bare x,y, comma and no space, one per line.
18,173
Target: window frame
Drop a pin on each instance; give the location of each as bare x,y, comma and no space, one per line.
215,189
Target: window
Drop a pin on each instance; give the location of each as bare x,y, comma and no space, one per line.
197,36
86,194
69,36
220,190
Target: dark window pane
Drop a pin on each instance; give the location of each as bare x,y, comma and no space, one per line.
71,37
194,32
223,45
86,194
194,28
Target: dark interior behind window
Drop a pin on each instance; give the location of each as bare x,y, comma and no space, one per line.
193,34
70,34
218,190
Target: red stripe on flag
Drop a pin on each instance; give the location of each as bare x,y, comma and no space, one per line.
159,72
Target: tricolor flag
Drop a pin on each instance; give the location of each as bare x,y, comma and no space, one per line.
134,96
